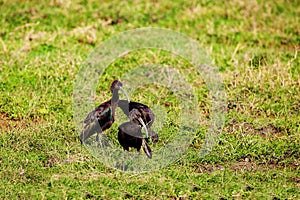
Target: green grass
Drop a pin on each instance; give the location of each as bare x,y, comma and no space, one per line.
255,44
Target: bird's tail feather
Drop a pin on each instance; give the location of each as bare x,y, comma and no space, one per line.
87,132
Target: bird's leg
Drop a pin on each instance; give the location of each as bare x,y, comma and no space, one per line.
144,125
124,161
98,139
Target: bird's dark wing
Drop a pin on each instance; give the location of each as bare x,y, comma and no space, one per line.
97,121
127,107
137,105
131,129
130,135
147,114
102,113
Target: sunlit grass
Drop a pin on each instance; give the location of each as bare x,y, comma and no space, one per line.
254,44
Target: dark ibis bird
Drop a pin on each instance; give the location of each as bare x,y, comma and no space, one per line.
103,116
130,135
141,114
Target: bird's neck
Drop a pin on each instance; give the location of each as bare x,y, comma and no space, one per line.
115,96
114,100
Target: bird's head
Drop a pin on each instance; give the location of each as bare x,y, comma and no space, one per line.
116,86
135,114
154,136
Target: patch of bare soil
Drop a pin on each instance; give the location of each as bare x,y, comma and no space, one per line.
4,123
7,123
208,168
247,128
243,165
253,166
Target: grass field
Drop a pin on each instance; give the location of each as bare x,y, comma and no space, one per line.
255,44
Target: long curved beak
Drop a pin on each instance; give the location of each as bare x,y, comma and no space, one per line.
144,125
125,93
147,148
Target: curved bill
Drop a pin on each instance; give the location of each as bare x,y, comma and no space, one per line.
147,149
144,125
125,93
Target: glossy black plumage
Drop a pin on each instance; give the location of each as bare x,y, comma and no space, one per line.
130,135
103,116
135,110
